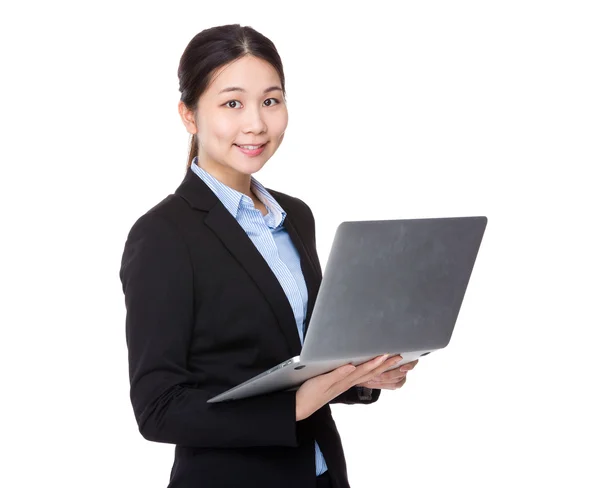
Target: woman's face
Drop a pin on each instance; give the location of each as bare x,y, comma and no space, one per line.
242,105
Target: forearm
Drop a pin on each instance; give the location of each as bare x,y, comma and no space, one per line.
182,416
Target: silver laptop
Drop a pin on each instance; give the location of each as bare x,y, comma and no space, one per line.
390,286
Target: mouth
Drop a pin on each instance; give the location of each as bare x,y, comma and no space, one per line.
251,147
252,150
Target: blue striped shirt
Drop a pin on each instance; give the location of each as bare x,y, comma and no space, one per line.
273,242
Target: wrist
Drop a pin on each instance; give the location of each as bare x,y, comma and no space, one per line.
298,410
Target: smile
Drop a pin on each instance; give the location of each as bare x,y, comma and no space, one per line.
251,150
251,147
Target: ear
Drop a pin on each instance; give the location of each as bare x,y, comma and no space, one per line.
187,117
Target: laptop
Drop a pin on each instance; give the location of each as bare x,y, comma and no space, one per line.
390,286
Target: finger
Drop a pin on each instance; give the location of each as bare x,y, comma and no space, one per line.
409,366
337,380
375,372
394,362
362,371
371,365
366,371
398,372
340,373
342,378
389,376
388,385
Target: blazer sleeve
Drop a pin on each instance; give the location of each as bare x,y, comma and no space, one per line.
169,406
351,397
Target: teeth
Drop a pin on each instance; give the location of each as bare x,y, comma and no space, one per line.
251,147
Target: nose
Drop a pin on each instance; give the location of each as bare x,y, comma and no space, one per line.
254,121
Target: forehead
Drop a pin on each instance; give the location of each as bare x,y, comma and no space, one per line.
248,72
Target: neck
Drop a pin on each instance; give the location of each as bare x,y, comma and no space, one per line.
233,179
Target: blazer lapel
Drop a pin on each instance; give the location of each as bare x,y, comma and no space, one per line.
234,238
307,264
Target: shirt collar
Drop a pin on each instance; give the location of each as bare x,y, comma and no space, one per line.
234,200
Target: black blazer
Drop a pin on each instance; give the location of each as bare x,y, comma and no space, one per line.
205,313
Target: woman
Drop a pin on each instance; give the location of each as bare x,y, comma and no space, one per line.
220,279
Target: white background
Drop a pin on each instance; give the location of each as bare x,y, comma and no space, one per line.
397,110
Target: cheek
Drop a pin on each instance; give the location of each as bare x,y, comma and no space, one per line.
218,128
224,129
278,125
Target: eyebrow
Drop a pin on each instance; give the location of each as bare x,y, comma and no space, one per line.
237,88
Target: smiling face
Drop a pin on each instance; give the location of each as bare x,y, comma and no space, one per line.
242,105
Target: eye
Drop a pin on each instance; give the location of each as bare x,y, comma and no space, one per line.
269,104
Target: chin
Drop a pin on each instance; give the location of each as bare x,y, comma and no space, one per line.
251,165
250,169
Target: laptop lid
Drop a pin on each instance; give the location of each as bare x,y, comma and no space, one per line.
392,286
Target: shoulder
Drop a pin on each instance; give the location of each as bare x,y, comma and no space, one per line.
160,229
171,212
155,248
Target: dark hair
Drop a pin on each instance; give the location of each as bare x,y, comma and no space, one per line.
213,48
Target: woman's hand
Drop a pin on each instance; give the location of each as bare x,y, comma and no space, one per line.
390,380
317,391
